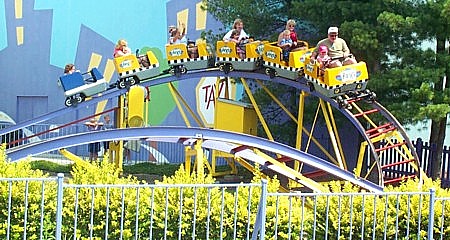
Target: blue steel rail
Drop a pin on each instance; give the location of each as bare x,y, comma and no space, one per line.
189,135
301,84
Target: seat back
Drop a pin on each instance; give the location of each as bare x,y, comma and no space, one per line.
96,75
71,81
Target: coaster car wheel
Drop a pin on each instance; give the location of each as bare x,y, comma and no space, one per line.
69,101
343,103
371,96
132,81
227,68
121,84
183,70
273,73
79,98
311,87
301,72
177,70
172,71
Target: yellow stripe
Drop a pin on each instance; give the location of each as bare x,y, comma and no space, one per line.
109,70
95,60
101,107
18,8
19,34
200,19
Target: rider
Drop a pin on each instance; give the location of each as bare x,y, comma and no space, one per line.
337,49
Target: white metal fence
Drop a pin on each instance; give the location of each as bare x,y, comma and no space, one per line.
49,208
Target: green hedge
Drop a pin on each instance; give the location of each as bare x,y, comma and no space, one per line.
407,211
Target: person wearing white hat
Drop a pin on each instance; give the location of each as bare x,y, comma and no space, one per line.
337,49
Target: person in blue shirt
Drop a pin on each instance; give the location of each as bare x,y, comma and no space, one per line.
286,44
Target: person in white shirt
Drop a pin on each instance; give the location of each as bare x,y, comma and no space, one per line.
337,48
239,25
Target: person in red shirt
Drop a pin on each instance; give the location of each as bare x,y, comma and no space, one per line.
296,45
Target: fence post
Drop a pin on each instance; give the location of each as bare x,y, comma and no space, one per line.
260,221
419,149
59,205
431,213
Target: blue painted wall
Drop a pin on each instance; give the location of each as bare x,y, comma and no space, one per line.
57,32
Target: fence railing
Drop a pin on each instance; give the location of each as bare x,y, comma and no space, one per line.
392,215
426,152
50,208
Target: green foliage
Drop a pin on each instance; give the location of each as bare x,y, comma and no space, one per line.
151,168
91,207
397,23
173,208
255,16
434,112
50,166
344,215
37,197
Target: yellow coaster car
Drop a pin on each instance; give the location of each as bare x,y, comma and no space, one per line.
337,81
275,65
182,58
246,56
134,69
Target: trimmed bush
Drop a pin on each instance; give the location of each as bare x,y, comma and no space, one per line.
159,212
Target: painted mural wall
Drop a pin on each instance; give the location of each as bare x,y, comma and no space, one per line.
38,37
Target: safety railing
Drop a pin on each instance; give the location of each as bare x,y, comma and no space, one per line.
50,208
390,215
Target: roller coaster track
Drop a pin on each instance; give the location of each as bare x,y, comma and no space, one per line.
377,139
244,146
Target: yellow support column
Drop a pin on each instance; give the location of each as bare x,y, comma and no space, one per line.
301,109
258,111
136,98
298,141
360,162
334,142
120,123
200,158
188,152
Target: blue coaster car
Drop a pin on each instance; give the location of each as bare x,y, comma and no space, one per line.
77,86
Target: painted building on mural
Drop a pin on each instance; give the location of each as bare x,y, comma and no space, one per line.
39,37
